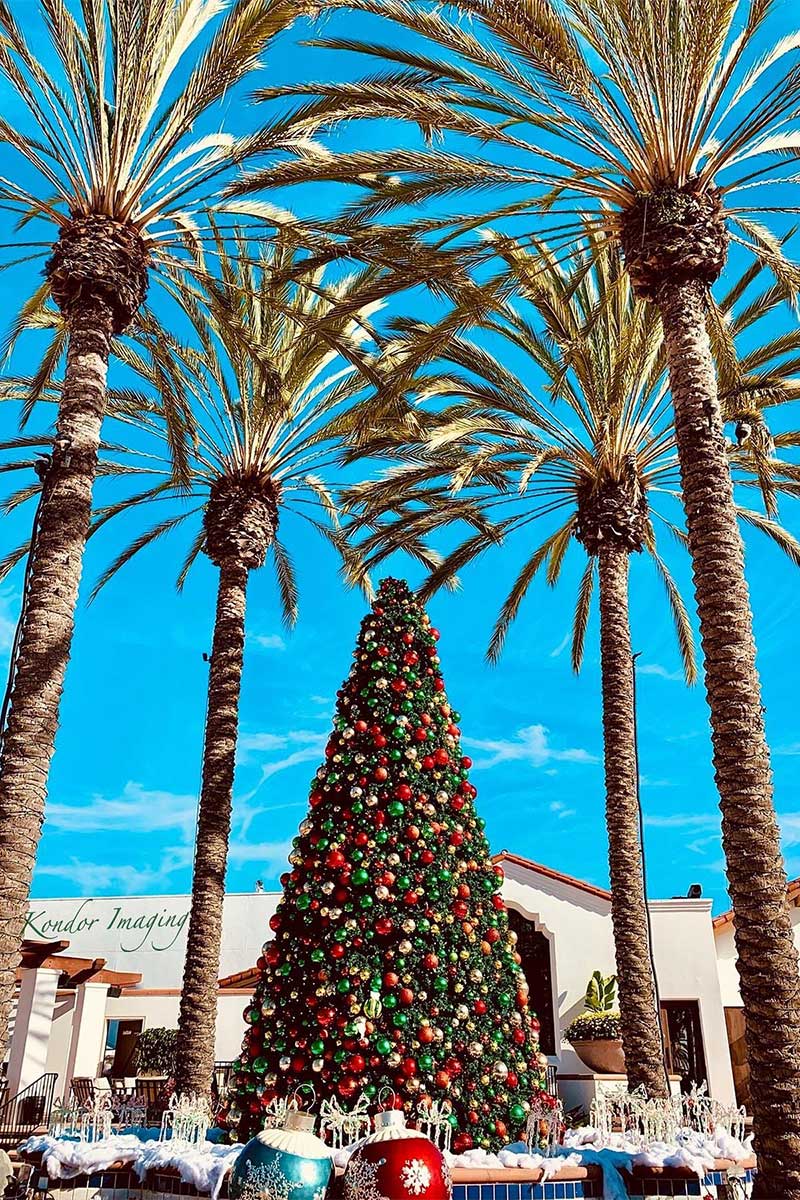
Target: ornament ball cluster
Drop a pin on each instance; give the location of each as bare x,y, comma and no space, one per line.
392,963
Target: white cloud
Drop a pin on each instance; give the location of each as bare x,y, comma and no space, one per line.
137,810
321,700
683,820
307,754
661,672
254,744
267,641
532,745
272,856
95,878
559,808
562,645
790,751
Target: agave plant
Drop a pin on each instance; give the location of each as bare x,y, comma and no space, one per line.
661,122
595,459
114,179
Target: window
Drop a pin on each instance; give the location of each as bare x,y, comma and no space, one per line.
533,948
683,1042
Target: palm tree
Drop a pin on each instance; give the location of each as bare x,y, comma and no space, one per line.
276,388
661,121
603,456
118,174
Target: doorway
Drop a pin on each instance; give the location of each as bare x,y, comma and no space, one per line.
122,1040
533,947
683,1042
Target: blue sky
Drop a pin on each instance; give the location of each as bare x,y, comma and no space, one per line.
123,786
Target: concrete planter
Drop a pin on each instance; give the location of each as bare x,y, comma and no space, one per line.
602,1055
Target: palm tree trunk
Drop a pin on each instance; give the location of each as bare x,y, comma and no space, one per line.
639,1017
767,958
46,634
198,1011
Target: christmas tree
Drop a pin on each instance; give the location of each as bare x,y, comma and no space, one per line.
392,963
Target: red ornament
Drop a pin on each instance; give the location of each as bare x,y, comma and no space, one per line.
402,791
398,1162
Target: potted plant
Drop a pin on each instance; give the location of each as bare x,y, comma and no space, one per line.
595,1034
155,1053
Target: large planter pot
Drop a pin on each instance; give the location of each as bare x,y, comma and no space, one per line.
603,1056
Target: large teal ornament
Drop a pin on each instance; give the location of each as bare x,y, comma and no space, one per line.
283,1164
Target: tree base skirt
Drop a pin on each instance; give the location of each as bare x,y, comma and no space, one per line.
573,1183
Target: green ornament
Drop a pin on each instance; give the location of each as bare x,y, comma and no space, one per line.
396,808
303,901
383,1045
360,877
517,1114
366,901
343,986
390,1001
440,984
317,1047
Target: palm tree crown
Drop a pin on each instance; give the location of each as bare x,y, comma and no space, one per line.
595,453
118,168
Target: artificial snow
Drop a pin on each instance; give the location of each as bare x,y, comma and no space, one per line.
205,1166
696,1151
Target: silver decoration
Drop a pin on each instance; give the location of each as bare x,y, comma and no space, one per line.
641,1120
544,1128
186,1120
65,1119
267,1182
434,1121
345,1125
360,1179
96,1120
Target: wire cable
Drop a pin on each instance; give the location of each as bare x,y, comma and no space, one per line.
644,878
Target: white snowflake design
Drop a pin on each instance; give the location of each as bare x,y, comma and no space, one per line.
416,1176
360,1181
270,1181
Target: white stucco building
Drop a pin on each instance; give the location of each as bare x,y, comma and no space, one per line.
724,930
101,970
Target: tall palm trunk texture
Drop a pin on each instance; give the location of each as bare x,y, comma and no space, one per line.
639,1018
767,958
46,633
198,1009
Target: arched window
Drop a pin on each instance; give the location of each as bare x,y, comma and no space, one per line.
534,950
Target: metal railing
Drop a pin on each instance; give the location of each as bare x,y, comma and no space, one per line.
551,1084
29,1110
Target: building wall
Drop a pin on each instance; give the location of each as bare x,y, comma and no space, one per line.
578,925
726,958
148,933
60,1035
132,934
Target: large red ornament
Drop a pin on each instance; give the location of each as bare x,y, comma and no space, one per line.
396,1163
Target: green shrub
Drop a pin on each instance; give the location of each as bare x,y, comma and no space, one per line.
155,1052
590,1026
